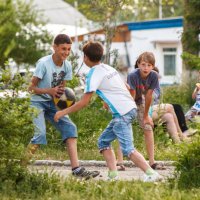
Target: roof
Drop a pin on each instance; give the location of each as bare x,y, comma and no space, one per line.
60,12
70,30
155,24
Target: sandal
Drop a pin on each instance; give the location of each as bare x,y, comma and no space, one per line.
120,167
158,166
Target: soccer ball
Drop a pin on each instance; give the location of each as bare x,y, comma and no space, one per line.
66,100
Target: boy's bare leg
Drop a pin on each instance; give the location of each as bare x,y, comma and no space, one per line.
149,141
110,159
171,127
78,171
139,160
119,155
71,145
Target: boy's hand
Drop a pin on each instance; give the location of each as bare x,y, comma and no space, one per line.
105,106
56,91
148,120
198,86
58,115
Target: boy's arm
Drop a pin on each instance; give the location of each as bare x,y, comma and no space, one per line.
33,88
148,99
105,106
128,86
133,92
77,106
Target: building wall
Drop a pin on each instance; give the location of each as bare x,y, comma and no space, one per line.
155,40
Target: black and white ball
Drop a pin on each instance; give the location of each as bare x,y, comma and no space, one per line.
66,100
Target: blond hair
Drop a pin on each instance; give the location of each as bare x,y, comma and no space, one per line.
146,57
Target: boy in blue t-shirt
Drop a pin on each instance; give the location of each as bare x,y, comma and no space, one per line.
106,82
48,81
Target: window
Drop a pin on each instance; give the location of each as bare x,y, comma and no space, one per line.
169,61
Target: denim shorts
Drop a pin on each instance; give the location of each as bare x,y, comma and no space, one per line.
119,128
47,110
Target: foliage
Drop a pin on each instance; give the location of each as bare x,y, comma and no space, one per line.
127,190
192,61
105,12
188,165
98,10
144,10
15,180
22,36
16,131
109,10
190,36
178,94
134,11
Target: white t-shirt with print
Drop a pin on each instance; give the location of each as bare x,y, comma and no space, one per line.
108,85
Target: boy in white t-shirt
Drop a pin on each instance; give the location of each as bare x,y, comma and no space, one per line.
106,82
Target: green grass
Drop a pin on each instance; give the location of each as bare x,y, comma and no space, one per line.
165,149
73,189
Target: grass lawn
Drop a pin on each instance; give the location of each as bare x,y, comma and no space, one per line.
73,189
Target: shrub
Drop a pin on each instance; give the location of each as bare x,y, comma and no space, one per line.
16,131
18,181
179,94
188,165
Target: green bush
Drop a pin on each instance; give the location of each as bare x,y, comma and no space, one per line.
15,133
188,165
18,181
179,94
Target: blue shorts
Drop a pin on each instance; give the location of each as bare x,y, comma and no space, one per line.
119,128
47,110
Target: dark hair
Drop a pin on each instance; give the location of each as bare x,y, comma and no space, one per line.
147,57
62,39
93,50
136,64
156,69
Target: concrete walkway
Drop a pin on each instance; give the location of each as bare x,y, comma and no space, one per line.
64,170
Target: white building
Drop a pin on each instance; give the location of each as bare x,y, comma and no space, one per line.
61,17
162,37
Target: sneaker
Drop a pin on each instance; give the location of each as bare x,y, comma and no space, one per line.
116,178
81,172
152,178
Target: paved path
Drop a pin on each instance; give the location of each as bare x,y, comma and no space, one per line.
131,172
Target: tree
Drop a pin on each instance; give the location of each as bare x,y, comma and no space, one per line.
22,36
106,13
190,37
144,10
109,10
136,10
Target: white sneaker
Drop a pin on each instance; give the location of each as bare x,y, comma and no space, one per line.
152,178
116,178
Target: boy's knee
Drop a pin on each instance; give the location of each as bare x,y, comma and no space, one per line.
127,152
102,145
147,128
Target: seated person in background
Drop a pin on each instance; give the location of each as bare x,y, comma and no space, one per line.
195,109
179,116
166,113
182,122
